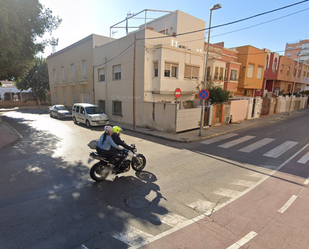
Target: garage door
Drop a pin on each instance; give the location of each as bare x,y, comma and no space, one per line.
86,97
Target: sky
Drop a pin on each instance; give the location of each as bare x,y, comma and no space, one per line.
81,18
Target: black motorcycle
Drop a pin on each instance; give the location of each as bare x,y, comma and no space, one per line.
104,167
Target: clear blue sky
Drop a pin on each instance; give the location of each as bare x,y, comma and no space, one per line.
81,18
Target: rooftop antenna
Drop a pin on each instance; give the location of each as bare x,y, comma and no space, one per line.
114,32
54,43
127,22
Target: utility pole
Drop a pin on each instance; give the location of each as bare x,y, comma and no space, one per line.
134,78
295,76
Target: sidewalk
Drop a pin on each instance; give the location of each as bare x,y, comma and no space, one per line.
8,135
192,136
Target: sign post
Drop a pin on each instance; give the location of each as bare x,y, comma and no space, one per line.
203,95
177,95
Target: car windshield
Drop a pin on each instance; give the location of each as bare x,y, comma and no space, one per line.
61,107
94,110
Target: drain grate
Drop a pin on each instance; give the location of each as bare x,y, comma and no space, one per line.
137,202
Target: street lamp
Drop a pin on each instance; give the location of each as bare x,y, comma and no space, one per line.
214,7
299,55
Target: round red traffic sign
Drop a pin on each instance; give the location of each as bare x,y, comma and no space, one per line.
203,94
177,93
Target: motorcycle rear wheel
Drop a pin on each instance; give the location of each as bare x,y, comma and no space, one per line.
138,162
98,172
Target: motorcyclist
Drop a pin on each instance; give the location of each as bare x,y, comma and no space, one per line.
116,138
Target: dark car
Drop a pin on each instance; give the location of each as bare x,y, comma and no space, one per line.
60,111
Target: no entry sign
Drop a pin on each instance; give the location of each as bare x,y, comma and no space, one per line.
203,94
177,93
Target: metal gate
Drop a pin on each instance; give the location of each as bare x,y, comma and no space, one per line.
218,114
265,106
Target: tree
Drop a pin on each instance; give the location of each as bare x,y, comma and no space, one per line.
218,95
22,23
36,79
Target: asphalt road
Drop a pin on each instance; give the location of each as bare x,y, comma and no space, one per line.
47,199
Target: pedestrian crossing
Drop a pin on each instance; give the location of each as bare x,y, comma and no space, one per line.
234,140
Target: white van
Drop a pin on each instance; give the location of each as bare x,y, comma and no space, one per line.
89,114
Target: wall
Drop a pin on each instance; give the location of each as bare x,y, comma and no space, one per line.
188,119
238,110
12,104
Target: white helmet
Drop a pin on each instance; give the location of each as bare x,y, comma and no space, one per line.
108,129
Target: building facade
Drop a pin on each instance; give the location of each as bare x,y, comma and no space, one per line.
293,49
71,71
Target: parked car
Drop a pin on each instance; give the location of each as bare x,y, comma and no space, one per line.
89,114
60,111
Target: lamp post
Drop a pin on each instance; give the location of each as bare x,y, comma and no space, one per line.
214,7
299,55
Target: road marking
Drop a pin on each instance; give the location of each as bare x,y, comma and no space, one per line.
171,219
202,206
256,145
220,138
304,159
243,183
243,240
281,149
306,181
84,247
287,204
132,236
236,141
216,208
226,192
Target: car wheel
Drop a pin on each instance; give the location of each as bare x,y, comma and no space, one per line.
58,116
50,114
88,123
74,120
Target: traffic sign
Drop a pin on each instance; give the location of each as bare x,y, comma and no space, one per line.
203,94
177,93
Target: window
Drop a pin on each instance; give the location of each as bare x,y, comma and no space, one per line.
155,67
275,65
298,46
281,69
63,74
64,98
102,74
250,71
304,74
233,75
76,108
55,76
216,73
73,72
167,70
208,72
84,69
117,72
289,48
82,110
283,87
117,108
288,72
174,71
191,72
221,73
259,73
288,55
267,61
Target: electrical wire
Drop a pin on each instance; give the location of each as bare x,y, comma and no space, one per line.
229,23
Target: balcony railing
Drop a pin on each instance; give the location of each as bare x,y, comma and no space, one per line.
83,79
217,77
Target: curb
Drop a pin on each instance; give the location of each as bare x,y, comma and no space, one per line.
11,143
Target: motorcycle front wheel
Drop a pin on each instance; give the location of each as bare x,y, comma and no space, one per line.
138,162
99,172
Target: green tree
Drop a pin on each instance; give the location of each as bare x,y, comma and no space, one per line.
218,95
22,23
36,79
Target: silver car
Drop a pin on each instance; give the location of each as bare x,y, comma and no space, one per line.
60,111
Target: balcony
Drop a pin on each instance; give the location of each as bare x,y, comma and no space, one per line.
62,83
83,80
219,78
71,81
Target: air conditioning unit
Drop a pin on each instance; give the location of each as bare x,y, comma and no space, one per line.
247,92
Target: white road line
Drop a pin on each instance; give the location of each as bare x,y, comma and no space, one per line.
244,183
304,159
202,206
132,236
256,145
84,247
227,192
172,219
236,141
287,204
281,149
243,240
306,181
218,207
219,138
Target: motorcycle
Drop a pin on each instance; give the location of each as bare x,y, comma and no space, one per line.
101,170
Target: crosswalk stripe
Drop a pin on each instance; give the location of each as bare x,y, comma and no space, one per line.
243,240
172,219
256,145
236,141
219,138
244,183
132,236
227,192
281,149
304,159
202,205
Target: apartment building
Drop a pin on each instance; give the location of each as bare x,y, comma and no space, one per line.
293,49
71,71
251,72
163,63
